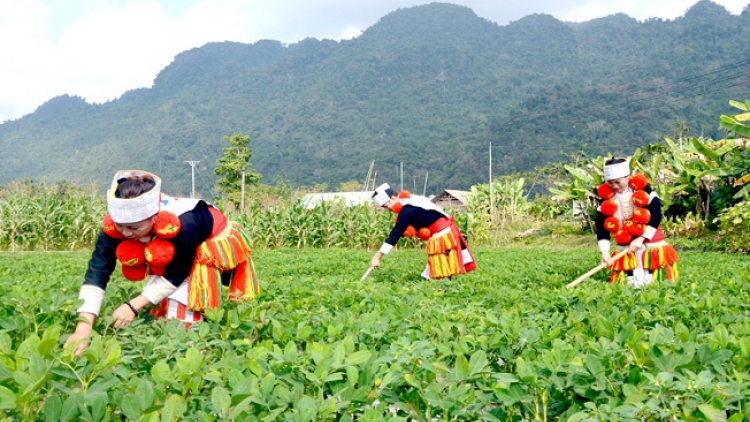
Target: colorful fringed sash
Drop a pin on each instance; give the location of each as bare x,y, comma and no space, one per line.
628,262
660,260
444,256
230,250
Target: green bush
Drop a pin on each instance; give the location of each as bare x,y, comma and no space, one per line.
734,225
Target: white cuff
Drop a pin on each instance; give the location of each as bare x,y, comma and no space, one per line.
604,246
157,288
385,248
649,232
92,299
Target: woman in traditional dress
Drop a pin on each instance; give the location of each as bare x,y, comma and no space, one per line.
447,251
185,247
630,213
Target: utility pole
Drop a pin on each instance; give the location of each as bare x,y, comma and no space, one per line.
369,177
242,192
192,177
424,191
402,176
492,196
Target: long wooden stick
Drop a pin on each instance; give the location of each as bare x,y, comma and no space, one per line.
596,269
369,270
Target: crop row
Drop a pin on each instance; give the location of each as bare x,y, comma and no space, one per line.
507,342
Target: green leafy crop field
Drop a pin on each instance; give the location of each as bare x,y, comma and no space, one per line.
506,343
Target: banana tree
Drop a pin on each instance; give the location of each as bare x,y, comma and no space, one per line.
509,199
580,189
734,124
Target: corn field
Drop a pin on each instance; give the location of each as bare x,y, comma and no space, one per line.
38,216
60,217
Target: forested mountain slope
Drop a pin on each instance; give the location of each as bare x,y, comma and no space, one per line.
430,86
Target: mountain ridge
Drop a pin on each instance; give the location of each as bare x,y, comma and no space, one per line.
430,86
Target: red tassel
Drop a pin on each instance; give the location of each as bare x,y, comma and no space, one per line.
167,225
605,191
640,198
424,234
609,207
159,252
641,215
131,253
134,272
612,224
110,229
638,181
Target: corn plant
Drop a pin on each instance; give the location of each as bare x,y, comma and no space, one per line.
48,217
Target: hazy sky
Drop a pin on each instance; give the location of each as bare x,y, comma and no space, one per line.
98,49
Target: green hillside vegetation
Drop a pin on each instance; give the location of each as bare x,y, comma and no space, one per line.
430,86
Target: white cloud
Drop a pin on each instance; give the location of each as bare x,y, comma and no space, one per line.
104,52
23,61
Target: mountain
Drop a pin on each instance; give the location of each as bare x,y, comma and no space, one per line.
429,86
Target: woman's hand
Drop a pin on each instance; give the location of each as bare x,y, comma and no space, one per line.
128,311
82,334
375,261
636,244
123,316
607,259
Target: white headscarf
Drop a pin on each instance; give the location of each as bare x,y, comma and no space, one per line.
133,210
617,170
382,194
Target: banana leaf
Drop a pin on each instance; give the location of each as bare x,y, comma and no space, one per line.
744,192
732,125
742,180
740,106
701,148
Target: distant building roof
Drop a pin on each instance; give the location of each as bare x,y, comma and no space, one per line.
450,195
349,199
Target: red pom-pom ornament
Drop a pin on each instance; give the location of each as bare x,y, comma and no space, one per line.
605,191
131,253
623,238
108,225
410,231
640,198
612,224
404,194
633,228
157,270
159,252
609,207
134,272
397,207
638,181
167,225
641,215
424,233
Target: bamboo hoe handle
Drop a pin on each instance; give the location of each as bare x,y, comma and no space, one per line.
595,270
369,270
